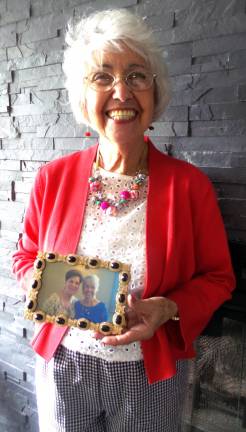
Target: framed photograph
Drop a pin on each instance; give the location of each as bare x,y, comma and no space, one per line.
77,291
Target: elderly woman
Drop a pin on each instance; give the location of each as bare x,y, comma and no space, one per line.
64,301
89,306
136,205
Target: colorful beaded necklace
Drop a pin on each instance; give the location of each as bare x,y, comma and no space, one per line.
105,201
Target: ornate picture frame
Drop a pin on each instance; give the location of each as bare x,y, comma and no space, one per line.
63,285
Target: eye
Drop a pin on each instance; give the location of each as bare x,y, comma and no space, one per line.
137,76
101,78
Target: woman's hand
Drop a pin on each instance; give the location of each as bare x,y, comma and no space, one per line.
25,282
143,319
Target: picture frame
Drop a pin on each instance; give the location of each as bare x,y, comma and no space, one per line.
63,286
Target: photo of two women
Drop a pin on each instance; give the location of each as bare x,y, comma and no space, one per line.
78,294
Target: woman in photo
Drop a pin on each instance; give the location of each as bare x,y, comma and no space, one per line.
89,306
63,302
136,205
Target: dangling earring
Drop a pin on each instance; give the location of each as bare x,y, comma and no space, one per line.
87,132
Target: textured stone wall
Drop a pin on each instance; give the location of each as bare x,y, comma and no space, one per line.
204,44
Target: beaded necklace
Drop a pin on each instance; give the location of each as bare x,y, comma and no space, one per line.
108,204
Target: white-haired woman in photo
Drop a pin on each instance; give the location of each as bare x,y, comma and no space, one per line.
89,306
136,205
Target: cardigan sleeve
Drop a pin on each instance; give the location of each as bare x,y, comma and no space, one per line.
213,279
28,245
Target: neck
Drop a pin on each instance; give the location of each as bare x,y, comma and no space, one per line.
123,159
89,302
65,297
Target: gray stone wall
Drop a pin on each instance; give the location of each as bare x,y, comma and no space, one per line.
204,44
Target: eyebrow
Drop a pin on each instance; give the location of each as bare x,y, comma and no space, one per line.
130,66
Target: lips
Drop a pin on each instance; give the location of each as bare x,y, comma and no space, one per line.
122,114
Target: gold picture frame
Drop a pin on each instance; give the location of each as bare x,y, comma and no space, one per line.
63,284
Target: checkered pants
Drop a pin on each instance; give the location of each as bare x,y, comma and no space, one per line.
82,393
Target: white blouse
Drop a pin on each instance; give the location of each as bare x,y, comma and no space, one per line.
122,238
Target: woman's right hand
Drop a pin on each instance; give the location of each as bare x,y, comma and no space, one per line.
144,317
25,282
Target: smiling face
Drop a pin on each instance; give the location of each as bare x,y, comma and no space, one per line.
120,115
72,285
89,289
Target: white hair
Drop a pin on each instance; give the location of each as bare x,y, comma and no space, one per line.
103,32
95,280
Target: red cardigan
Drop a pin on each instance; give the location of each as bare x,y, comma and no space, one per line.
187,258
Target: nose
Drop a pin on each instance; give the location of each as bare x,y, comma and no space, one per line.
121,91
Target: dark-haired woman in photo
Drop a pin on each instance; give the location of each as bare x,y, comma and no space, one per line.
63,302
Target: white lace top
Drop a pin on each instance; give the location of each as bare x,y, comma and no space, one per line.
120,237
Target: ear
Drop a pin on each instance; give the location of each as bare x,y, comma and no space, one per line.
84,111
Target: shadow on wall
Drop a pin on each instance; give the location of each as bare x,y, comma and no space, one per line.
16,414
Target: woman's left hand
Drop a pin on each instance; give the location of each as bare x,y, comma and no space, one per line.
143,319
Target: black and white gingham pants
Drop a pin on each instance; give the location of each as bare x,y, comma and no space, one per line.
81,393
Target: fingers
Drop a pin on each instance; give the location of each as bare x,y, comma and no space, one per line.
26,280
154,309
97,335
137,333
140,305
123,339
115,340
131,300
137,305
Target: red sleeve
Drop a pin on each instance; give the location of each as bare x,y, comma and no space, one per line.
213,281
28,245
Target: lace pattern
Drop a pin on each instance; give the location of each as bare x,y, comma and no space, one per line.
83,342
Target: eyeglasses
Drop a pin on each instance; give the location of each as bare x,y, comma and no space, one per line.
136,80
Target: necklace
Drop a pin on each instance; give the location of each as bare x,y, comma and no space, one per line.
105,201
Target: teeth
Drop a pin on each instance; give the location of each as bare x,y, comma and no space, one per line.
121,114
